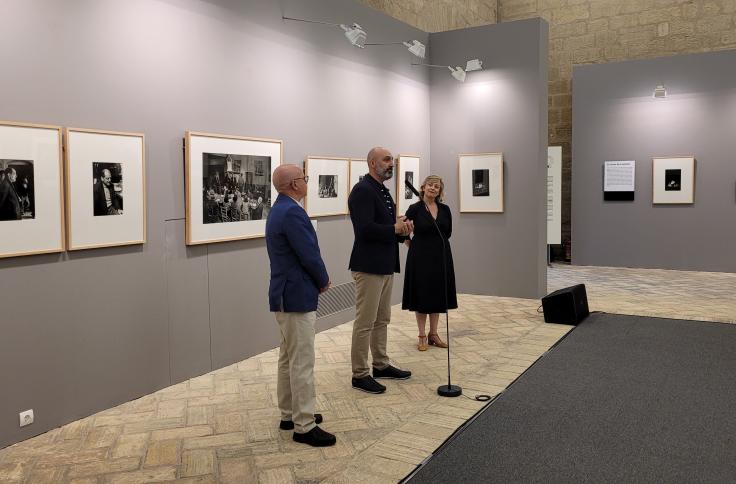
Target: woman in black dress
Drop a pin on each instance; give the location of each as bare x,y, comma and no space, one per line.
424,286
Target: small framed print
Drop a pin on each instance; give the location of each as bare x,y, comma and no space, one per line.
673,180
105,188
228,186
358,170
31,189
407,170
327,190
480,178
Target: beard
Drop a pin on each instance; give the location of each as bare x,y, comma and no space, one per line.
385,174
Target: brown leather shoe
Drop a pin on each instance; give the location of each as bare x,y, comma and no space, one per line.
434,340
422,346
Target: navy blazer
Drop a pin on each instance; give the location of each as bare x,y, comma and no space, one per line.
376,249
297,269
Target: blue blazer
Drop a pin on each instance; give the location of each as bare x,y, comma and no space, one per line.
297,269
376,245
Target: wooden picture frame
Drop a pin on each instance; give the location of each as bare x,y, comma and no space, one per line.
481,182
328,179
31,219
105,180
407,165
234,164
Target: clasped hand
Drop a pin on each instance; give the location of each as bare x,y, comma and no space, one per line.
403,226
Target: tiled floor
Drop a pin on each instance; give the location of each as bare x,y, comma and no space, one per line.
222,427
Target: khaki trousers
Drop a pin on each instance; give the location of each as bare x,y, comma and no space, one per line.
372,315
295,388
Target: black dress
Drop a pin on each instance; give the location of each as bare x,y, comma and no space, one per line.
423,279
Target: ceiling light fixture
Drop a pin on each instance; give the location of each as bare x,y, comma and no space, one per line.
458,72
415,47
354,32
660,92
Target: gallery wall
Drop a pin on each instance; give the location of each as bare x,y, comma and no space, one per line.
500,109
615,118
84,331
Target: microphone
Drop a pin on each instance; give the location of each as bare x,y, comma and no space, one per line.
448,390
411,187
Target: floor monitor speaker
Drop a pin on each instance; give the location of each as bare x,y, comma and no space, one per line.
566,306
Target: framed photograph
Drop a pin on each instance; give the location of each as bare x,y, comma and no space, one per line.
673,179
480,178
31,189
327,190
407,170
228,186
105,188
358,170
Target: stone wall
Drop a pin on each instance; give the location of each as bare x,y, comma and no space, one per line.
582,32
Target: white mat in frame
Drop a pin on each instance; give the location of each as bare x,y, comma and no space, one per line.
480,182
673,180
34,150
105,188
253,154
407,167
328,187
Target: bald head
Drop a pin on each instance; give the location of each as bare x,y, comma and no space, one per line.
289,180
380,163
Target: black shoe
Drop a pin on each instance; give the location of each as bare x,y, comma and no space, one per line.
289,425
368,384
316,438
391,372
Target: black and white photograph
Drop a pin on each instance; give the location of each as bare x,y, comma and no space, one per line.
673,180
408,176
481,187
479,191
107,188
327,186
17,196
235,188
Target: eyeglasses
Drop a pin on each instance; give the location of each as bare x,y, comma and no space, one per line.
305,178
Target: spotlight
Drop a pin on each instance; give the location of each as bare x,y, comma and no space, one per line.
415,47
660,92
354,33
458,73
474,65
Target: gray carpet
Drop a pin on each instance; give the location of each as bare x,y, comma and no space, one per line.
622,399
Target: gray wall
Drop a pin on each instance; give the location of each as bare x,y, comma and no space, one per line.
615,117
500,109
85,331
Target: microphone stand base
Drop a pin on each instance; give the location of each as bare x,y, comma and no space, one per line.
449,391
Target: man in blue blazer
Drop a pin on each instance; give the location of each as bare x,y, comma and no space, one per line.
373,262
298,276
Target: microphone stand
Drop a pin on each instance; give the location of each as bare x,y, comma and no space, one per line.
448,390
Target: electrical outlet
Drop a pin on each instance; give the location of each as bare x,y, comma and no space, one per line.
26,418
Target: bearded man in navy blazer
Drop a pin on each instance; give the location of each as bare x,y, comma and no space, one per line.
373,262
298,276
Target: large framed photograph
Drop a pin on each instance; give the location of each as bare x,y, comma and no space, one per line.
407,170
480,178
105,188
673,179
327,190
228,186
31,189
